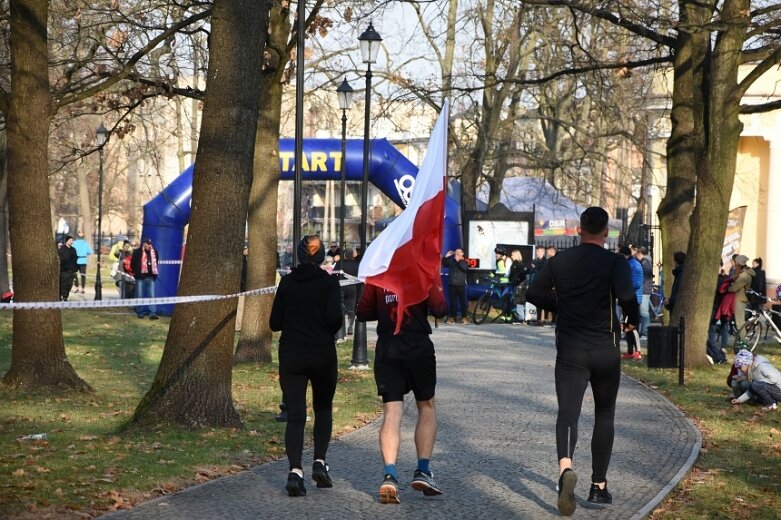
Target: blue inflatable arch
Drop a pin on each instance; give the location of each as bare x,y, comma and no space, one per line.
167,214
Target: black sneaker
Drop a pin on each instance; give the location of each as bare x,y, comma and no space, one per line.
567,482
389,490
320,475
295,485
599,496
425,482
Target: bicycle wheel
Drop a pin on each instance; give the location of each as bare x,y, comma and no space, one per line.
482,308
749,334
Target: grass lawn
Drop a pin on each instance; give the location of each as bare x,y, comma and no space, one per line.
738,473
86,467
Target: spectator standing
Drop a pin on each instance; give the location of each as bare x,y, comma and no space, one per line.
581,284
636,270
244,268
719,323
286,260
350,292
145,269
758,284
403,362
68,266
648,287
123,273
679,258
336,253
518,274
83,250
458,268
743,277
502,264
307,309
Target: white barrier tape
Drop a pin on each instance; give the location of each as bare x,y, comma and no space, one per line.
169,262
137,302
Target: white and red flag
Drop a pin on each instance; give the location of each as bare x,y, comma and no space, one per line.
406,257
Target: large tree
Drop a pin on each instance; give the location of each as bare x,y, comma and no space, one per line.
38,90
706,43
192,386
38,356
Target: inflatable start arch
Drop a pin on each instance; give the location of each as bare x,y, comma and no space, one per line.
167,214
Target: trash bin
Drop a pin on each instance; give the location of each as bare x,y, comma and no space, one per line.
662,347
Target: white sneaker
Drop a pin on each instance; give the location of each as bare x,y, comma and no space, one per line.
710,359
771,407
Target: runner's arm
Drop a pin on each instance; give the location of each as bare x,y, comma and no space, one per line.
541,293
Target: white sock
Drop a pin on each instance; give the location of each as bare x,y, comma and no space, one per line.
298,471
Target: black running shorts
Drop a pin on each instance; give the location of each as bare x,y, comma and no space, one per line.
396,377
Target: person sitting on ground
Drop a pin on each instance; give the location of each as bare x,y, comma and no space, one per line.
764,380
737,379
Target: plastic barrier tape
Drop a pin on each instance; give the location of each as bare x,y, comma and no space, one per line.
102,304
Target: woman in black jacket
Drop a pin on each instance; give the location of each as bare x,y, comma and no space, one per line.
758,285
308,310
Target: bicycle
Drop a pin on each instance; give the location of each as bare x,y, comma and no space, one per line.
657,300
498,295
758,325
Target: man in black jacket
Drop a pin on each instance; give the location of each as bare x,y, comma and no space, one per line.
68,267
581,285
455,262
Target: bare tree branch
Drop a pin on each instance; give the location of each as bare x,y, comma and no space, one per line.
762,107
604,14
129,66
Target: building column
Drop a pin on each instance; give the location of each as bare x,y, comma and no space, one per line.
772,260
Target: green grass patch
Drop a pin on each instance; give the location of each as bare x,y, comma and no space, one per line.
738,473
85,467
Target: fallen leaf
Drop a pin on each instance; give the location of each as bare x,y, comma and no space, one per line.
18,473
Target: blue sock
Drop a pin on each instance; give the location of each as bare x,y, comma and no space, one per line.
423,466
390,469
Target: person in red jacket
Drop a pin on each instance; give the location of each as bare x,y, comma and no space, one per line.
404,362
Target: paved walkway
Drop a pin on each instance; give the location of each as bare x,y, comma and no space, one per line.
495,453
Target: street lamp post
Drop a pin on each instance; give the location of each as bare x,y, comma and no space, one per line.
370,46
101,134
345,94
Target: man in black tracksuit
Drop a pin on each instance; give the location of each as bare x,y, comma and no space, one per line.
308,310
581,285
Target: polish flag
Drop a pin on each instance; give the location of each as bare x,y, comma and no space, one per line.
406,257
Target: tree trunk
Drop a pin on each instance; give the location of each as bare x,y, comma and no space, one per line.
192,386
5,284
255,340
715,181
686,146
38,353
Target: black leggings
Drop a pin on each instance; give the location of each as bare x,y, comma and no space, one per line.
295,372
576,366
